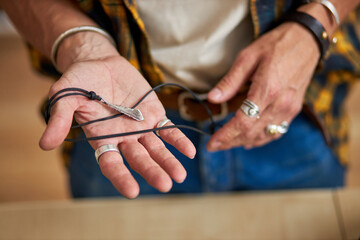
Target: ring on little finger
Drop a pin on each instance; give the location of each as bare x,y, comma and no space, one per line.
273,129
250,109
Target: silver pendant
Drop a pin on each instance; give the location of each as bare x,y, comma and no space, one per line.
130,112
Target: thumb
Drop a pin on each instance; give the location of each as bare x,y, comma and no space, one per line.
232,82
58,126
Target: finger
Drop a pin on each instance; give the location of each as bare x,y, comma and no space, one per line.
139,160
263,91
233,132
257,135
266,135
232,82
58,126
262,141
112,167
240,126
163,157
178,139
283,109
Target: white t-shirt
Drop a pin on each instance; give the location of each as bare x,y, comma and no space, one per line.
195,43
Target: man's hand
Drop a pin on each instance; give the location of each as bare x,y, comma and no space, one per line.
114,79
279,66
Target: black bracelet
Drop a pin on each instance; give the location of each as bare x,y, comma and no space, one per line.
315,27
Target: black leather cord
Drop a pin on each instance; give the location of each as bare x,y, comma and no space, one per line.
314,26
93,96
135,132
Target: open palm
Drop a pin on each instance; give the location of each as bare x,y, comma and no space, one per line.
115,80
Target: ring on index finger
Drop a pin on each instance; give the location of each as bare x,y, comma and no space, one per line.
250,109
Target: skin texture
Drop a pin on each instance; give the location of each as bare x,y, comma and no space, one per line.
145,153
89,61
279,66
278,93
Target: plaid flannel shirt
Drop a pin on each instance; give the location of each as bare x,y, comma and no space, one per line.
325,95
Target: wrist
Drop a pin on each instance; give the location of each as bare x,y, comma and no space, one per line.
320,13
313,27
303,38
83,46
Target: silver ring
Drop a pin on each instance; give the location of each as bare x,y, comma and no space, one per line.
105,148
283,127
273,129
250,109
161,124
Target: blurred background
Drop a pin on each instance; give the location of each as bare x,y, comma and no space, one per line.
26,172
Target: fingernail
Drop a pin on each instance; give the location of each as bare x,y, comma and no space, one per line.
215,94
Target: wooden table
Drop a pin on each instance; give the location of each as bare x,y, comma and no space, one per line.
317,214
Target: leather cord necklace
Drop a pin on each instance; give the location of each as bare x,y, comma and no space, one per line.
68,92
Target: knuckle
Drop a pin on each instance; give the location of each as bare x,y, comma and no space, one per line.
150,170
285,104
273,91
289,104
155,147
166,161
180,141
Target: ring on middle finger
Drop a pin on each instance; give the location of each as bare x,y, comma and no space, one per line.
283,127
105,148
271,129
160,124
250,109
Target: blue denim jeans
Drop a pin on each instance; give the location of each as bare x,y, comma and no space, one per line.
299,159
